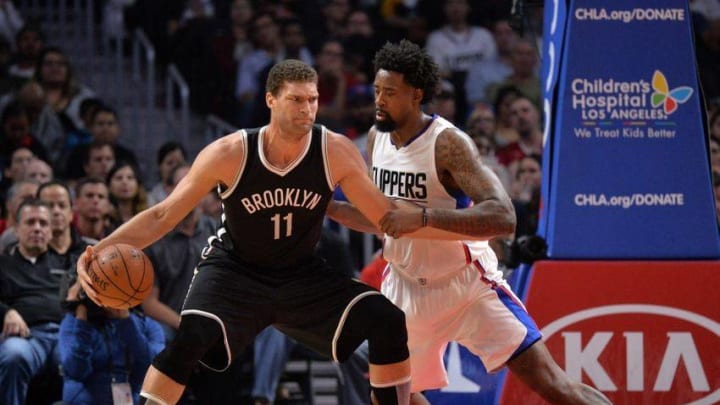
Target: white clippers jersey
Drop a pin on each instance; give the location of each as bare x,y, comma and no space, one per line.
409,173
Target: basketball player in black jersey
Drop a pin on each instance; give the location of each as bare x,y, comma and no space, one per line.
260,268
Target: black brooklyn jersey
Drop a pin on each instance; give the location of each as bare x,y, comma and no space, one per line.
273,216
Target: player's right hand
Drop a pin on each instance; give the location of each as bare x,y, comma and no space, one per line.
85,281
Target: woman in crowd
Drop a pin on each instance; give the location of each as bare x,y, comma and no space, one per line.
170,155
126,192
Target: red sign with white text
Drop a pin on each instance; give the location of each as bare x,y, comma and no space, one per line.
640,332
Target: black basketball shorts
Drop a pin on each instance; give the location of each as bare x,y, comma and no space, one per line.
308,303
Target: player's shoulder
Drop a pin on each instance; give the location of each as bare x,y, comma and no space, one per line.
449,133
337,140
230,142
453,143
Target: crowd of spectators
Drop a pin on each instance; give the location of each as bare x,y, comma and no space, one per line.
69,176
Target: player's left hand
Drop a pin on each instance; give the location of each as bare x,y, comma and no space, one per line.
407,218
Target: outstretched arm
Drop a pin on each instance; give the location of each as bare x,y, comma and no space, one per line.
460,167
215,164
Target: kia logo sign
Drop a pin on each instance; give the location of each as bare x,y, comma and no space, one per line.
666,352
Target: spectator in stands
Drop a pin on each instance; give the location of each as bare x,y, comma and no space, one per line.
80,136
44,122
127,194
65,240
15,126
38,171
62,91
491,70
526,119
333,84
29,42
524,75
715,154
14,169
268,46
329,23
229,45
170,155
506,132
18,192
91,207
29,304
105,352
481,127
526,199
359,37
443,104
457,46
294,41
104,127
714,124
706,27
528,179
10,21
98,160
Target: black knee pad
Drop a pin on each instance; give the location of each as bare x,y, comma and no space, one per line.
376,319
195,336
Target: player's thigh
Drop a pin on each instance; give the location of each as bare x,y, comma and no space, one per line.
315,315
495,326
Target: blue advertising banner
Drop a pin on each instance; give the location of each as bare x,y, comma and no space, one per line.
629,171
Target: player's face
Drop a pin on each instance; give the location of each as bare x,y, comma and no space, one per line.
295,107
394,100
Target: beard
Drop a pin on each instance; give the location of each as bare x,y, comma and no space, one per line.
386,125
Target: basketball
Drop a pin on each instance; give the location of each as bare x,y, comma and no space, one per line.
122,275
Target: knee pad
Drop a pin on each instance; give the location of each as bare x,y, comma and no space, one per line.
194,337
376,319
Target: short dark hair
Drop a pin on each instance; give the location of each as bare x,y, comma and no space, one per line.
104,108
289,70
168,147
29,202
95,145
85,181
54,183
416,66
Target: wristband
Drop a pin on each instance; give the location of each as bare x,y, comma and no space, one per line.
424,217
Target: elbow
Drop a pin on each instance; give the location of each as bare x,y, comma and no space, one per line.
508,220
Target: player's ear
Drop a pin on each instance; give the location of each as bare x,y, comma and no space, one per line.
269,99
418,95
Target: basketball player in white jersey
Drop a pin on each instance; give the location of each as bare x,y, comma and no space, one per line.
450,290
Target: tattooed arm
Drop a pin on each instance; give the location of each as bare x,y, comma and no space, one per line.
459,167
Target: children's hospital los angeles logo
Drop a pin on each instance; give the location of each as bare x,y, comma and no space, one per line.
668,99
627,109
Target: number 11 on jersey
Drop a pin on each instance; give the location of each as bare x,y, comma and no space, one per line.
277,225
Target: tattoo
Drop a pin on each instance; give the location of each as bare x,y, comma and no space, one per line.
460,168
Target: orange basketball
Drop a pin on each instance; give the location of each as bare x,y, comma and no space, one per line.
122,276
